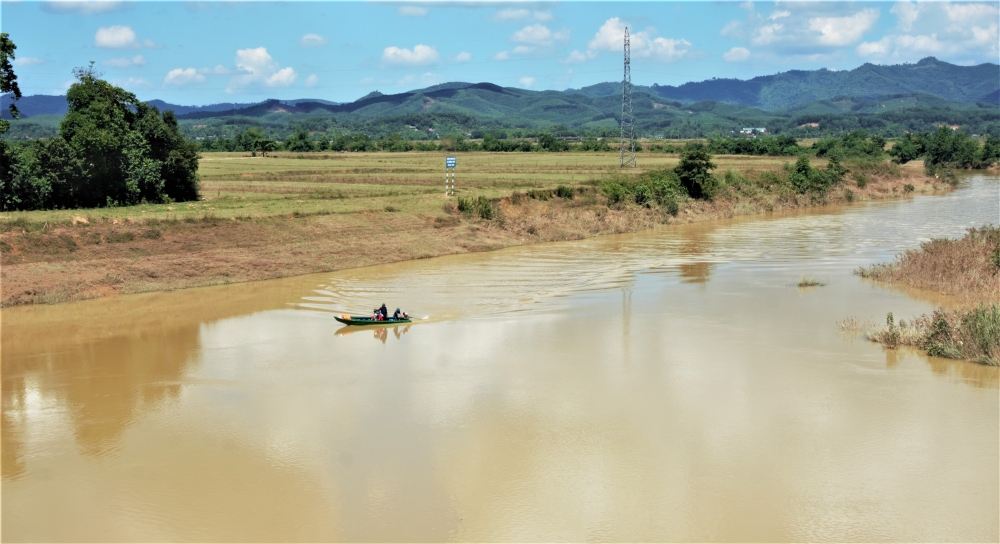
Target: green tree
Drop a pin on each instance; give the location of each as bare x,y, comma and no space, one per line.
249,140
907,149
8,79
299,142
97,122
693,171
989,154
112,149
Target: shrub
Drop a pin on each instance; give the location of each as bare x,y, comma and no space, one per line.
615,191
480,206
642,195
806,179
693,171
564,192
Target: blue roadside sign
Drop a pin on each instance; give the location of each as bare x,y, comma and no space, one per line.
449,162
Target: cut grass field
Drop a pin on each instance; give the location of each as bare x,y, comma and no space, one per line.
292,214
236,185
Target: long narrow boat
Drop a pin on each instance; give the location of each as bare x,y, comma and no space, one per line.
366,320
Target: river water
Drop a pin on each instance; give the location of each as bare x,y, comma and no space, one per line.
667,385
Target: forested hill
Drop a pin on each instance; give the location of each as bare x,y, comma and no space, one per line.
968,84
889,100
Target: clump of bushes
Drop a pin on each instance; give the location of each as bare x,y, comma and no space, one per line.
656,187
480,206
946,148
806,179
972,334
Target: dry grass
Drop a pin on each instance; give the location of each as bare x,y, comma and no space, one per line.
808,281
972,334
966,268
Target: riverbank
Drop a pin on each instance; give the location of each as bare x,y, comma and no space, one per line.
967,269
319,216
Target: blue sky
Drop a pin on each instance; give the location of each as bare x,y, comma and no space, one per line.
209,52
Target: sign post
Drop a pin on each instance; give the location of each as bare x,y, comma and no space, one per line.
449,170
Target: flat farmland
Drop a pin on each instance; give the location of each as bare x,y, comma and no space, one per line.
240,186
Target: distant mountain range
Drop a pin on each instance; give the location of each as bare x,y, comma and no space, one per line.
893,99
782,91
967,84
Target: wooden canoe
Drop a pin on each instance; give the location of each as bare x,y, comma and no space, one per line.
367,320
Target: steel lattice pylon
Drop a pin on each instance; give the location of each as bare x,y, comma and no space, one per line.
627,148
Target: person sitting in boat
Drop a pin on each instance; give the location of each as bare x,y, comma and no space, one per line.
398,314
384,312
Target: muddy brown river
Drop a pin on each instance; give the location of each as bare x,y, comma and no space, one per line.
673,385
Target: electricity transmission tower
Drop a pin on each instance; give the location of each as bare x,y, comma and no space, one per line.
626,155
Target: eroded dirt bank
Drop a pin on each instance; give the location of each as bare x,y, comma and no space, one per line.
50,264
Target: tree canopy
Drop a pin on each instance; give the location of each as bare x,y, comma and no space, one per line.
112,150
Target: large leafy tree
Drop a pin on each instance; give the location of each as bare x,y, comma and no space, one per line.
112,149
8,79
8,85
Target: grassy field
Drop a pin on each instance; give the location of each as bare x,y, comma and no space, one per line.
293,214
236,185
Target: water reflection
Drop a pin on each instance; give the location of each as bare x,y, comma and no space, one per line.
697,272
380,333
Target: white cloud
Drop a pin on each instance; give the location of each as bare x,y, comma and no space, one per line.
424,80
520,15
116,37
27,61
125,62
503,55
767,34
611,37
522,50
961,31
420,54
539,35
281,78
312,80
412,11
578,57
255,61
872,49
180,76
736,54
313,40
527,81
85,7
808,30
841,31
256,67
463,57
218,70
667,50
906,14
136,83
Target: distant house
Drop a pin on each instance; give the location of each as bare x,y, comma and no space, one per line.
753,130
